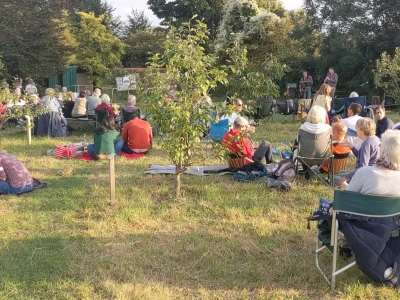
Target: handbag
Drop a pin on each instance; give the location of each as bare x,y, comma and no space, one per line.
65,152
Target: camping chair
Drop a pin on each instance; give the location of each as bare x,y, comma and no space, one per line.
337,107
365,112
100,115
287,109
313,150
265,110
218,130
126,115
357,204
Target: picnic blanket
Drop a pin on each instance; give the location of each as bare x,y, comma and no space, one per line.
86,156
198,171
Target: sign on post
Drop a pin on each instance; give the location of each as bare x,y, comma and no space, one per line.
126,83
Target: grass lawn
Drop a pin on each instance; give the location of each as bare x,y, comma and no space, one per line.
224,240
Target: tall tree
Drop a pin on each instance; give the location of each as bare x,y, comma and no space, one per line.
98,49
357,32
31,40
176,12
141,45
137,21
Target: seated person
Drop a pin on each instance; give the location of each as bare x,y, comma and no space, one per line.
14,177
137,136
339,131
92,102
353,115
105,140
368,153
383,123
79,110
105,103
131,104
238,109
236,142
315,124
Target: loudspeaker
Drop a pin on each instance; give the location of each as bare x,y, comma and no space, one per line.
291,87
376,100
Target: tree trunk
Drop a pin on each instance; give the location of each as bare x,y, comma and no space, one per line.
178,184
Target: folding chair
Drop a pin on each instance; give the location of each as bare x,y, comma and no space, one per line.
337,107
313,150
365,112
265,110
218,130
287,109
357,204
100,115
126,115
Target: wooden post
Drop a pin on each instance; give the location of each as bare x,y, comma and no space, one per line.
28,129
111,158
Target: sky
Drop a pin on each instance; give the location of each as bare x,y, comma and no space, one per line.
123,7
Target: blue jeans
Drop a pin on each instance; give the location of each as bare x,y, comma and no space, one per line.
118,144
6,188
307,92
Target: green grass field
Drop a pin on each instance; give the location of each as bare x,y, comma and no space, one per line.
223,240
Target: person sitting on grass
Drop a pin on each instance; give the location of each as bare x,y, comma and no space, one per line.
137,136
368,153
105,140
236,141
14,177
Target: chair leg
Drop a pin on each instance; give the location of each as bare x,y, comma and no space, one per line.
335,225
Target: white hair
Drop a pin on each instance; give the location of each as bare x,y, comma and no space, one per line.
316,115
132,99
97,92
390,148
354,95
241,121
105,99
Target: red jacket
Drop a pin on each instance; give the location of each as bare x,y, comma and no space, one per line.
236,144
108,107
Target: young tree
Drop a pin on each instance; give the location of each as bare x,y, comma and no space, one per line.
183,120
387,74
98,50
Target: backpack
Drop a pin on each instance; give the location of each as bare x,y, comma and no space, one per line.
285,170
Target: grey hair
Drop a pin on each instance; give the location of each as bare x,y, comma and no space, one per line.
390,148
316,115
97,92
105,99
354,95
132,99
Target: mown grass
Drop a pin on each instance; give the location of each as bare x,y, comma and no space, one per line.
223,240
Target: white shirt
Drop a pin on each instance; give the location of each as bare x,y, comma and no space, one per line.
231,118
350,122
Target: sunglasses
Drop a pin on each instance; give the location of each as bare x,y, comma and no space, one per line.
239,104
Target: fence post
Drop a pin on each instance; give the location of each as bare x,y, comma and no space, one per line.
28,129
111,159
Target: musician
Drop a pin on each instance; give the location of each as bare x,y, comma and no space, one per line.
306,83
332,80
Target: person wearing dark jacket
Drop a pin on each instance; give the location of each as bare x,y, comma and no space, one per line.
383,123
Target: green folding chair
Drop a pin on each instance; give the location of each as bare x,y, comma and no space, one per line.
356,204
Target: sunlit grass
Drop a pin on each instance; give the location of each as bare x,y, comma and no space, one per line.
223,240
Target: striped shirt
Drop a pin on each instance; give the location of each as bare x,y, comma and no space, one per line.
14,172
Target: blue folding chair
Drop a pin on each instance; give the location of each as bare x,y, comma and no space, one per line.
362,100
218,130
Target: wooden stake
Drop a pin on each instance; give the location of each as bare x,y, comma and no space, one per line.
28,129
111,158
